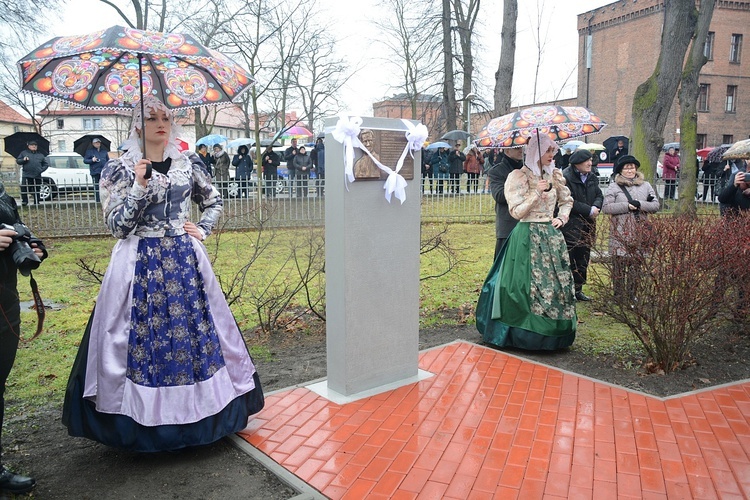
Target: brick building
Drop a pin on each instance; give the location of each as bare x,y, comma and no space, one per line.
624,39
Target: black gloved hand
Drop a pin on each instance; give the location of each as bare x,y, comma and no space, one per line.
636,203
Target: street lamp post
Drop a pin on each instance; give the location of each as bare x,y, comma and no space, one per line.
467,102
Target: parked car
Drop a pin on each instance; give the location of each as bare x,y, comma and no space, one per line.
66,172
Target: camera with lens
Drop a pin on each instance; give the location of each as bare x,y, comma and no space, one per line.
23,255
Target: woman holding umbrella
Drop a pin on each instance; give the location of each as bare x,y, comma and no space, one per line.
162,364
527,300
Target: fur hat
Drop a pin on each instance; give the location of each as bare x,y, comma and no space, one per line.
624,160
580,156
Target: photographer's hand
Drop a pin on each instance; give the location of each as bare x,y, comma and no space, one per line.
6,238
38,251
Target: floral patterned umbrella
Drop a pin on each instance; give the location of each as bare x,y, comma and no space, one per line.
739,151
115,67
559,122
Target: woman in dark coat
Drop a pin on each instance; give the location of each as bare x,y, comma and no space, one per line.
243,162
580,231
302,166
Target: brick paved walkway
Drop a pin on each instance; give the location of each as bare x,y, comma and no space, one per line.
490,425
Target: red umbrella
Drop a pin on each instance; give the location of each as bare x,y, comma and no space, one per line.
702,153
182,145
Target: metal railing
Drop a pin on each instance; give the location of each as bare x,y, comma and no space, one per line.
73,210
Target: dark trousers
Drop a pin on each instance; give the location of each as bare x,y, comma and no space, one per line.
579,264
472,180
30,186
269,184
624,271
709,181
301,182
95,178
455,183
10,326
320,182
670,188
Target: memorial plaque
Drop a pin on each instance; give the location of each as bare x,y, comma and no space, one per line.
386,146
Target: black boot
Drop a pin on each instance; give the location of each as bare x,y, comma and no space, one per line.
579,294
15,483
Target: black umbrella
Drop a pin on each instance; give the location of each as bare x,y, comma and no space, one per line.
81,144
675,145
716,154
610,143
16,143
456,135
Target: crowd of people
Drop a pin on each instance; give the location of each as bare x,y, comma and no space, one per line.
300,164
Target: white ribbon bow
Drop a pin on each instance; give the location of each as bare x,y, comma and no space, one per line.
347,132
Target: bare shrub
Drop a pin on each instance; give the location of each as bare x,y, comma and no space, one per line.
675,280
434,242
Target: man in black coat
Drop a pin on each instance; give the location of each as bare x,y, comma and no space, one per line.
456,160
580,230
511,160
34,163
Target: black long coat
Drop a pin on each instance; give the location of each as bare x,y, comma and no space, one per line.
581,228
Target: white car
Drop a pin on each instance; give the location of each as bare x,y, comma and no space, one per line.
66,172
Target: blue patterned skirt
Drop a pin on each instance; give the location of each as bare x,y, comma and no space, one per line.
162,364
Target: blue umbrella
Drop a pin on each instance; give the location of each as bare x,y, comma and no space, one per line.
234,143
439,144
572,145
211,139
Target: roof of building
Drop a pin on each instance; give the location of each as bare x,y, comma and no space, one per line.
10,115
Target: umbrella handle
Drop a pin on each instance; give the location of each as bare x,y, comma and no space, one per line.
147,175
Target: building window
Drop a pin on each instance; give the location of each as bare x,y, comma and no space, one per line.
61,145
736,48
92,123
60,124
703,97
727,139
708,47
700,141
16,128
731,103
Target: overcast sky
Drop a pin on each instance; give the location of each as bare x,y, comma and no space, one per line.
372,83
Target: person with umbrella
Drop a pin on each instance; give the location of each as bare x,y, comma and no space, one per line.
221,163
96,157
243,162
162,364
456,159
206,158
527,300
33,163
